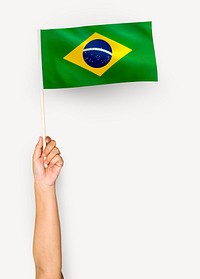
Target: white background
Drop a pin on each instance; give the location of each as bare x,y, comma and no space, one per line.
129,191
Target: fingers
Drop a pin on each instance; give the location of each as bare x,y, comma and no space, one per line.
47,139
49,147
38,149
57,160
52,153
55,151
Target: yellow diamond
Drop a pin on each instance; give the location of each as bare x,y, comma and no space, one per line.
118,52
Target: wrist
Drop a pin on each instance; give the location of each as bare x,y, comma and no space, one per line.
43,188
44,195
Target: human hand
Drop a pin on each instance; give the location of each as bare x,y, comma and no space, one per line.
46,177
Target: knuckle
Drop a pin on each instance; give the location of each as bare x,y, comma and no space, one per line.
53,142
62,161
56,150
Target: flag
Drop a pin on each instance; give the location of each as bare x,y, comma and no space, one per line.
98,54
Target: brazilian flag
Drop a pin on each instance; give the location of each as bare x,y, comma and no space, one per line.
98,54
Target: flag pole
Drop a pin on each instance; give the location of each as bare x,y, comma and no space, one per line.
43,118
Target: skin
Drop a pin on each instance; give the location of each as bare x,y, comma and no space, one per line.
47,251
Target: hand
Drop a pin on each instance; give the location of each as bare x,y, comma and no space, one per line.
46,176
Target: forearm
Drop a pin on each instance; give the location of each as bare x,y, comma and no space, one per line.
47,235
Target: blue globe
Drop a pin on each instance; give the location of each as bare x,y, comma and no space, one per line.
97,53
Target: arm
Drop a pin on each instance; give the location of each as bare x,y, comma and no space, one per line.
47,236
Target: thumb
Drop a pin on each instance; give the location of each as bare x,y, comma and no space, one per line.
38,149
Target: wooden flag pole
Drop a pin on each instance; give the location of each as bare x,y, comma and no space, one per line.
43,118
